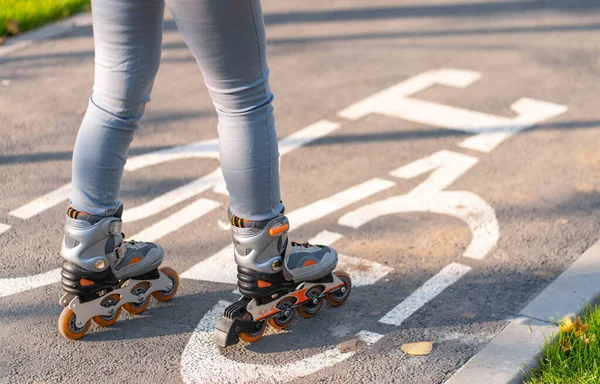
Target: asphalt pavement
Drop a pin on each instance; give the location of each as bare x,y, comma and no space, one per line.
448,150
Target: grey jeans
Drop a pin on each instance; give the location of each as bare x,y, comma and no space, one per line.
227,38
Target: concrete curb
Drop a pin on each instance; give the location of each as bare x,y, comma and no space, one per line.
520,344
49,31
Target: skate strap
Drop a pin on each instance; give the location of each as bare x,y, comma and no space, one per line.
114,227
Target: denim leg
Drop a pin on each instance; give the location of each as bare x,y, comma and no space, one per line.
127,41
227,38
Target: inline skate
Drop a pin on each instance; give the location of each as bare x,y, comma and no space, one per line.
277,278
103,274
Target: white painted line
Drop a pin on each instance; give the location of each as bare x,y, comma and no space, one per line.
425,293
369,337
324,207
177,220
40,204
457,78
490,130
530,112
218,268
174,197
466,206
307,135
221,267
203,362
445,167
326,238
200,149
13,285
4,228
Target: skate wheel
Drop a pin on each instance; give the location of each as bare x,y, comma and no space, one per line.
137,308
310,309
337,297
282,321
168,295
105,321
67,325
252,337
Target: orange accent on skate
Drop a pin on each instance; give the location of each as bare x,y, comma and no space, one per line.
263,313
263,284
85,282
278,230
309,262
300,295
135,260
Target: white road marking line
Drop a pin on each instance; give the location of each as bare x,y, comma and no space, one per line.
530,112
445,167
40,204
427,197
13,285
203,362
369,337
363,272
177,220
307,135
4,228
425,293
457,78
171,198
491,129
324,207
221,268
200,149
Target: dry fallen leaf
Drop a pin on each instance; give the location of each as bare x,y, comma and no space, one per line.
12,26
2,40
566,325
579,327
420,348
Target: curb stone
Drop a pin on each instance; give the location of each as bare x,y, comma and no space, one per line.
520,344
46,32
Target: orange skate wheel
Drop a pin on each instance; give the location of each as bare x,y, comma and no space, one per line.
67,325
168,295
137,308
337,297
252,337
282,321
310,308
105,321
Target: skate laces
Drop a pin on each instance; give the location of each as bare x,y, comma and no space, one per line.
303,245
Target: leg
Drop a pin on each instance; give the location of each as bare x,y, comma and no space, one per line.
227,38
127,37
127,40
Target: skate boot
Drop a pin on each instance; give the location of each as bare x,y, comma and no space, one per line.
277,278
102,274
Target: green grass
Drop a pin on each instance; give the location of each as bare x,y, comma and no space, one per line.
31,14
574,357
